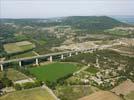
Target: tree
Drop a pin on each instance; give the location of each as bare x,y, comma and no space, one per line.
17,87
28,85
38,83
6,82
1,85
52,85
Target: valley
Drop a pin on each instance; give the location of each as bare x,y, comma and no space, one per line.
66,58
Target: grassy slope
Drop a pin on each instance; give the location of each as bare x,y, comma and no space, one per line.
102,95
9,48
92,22
52,72
14,75
26,54
15,47
92,70
33,94
74,92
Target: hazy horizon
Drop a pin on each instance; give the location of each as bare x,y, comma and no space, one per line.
61,8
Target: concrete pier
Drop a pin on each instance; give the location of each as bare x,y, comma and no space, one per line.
37,62
50,58
70,54
20,64
97,63
62,57
1,66
76,53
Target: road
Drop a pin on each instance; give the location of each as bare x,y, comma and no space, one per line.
59,53
34,57
50,91
82,69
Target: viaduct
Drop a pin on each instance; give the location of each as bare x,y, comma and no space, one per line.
49,56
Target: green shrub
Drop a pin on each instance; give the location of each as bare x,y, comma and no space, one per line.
17,87
6,82
38,83
28,85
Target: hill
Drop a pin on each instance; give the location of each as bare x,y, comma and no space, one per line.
53,32
82,22
91,22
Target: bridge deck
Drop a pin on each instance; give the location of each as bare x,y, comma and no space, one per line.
35,57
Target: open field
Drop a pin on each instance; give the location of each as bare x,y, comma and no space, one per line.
26,54
74,92
54,71
130,96
13,75
18,47
31,94
101,95
122,31
124,88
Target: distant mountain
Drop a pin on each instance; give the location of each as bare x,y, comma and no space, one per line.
125,19
91,22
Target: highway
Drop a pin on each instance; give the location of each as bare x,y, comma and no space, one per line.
58,53
35,57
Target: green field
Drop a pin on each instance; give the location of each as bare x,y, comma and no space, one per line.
17,47
13,75
54,71
31,94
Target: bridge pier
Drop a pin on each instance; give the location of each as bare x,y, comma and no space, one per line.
70,54
20,64
97,63
76,53
1,66
37,62
50,58
62,57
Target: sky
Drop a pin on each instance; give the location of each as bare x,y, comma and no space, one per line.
59,8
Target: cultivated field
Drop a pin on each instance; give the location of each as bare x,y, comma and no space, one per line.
101,95
13,75
26,54
18,47
124,88
74,92
54,71
31,94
